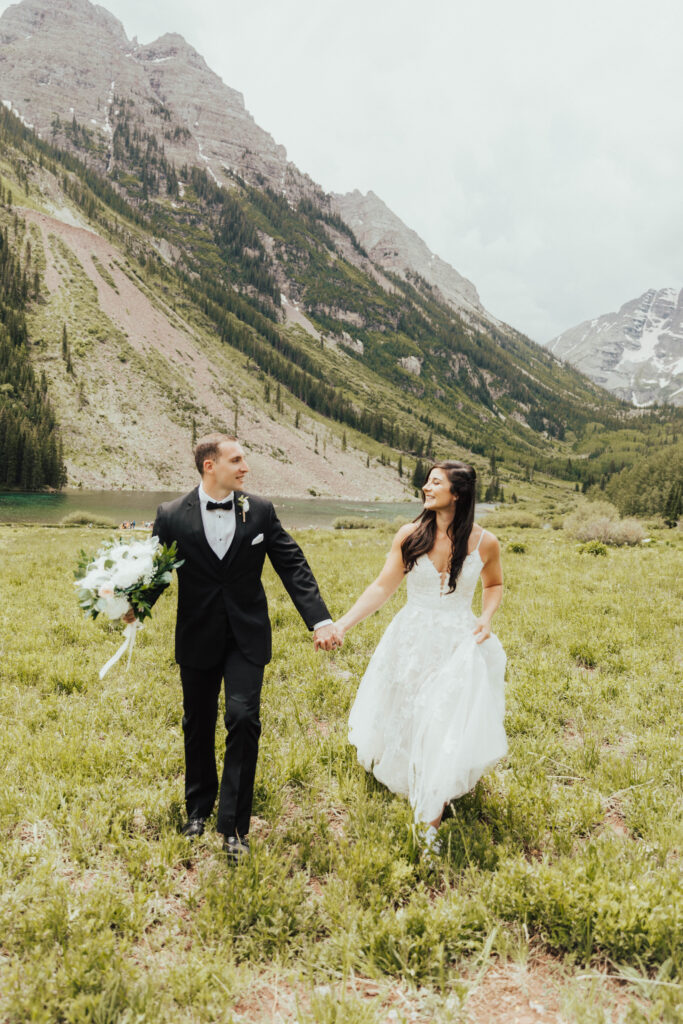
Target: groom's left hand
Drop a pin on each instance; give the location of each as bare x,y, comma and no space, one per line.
326,638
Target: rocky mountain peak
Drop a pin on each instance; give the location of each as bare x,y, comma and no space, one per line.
396,247
38,17
637,352
69,59
168,46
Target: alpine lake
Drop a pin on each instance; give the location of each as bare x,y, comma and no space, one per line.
140,507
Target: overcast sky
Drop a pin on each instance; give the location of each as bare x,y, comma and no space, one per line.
536,146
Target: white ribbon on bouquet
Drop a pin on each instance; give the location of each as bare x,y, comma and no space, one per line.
130,632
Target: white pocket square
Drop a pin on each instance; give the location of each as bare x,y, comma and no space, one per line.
257,539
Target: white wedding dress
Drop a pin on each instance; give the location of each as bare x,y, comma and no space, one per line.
428,715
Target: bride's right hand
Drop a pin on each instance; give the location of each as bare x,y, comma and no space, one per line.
334,640
337,639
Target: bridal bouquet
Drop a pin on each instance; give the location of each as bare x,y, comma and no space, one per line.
122,577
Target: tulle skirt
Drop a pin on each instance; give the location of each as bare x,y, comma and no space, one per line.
428,715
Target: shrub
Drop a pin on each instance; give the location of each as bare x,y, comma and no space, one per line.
517,547
593,547
514,517
627,531
352,523
600,521
79,518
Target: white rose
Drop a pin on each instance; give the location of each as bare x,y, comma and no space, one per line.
93,580
125,576
145,565
113,607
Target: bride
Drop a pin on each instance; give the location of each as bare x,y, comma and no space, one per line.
428,715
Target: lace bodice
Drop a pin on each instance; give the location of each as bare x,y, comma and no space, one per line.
427,589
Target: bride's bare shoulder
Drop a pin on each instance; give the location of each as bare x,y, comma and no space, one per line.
486,541
404,531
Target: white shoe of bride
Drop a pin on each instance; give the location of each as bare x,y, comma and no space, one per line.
433,845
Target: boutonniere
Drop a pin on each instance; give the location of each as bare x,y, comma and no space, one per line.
243,502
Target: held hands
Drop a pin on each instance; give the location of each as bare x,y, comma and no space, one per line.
482,630
328,638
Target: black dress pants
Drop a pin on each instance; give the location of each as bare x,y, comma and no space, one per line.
201,689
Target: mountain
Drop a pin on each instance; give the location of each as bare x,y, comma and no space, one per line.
188,277
69,61
636,353
399,249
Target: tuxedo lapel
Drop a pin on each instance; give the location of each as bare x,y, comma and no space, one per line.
193,510
240,527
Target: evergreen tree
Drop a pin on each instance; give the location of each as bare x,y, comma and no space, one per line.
30,449
419,474
674,505
493,491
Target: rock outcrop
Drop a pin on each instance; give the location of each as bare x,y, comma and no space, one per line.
399,249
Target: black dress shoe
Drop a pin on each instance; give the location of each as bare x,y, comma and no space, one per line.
236,847
194,827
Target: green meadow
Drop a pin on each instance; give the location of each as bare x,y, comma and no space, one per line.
562,868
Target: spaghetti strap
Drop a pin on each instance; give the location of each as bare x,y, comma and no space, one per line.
483,531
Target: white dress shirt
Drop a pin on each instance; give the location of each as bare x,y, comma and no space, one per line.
219,529
219,524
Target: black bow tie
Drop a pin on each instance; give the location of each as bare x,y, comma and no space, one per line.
211,505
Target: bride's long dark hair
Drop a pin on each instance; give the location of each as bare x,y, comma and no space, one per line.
463,480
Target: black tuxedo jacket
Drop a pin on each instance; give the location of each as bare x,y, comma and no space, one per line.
215,593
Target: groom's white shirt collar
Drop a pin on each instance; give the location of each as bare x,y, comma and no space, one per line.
204,497
219,524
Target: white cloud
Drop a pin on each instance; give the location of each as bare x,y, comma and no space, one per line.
535,146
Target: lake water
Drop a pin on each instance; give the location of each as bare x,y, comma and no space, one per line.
295,513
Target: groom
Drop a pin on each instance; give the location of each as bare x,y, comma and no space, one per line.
223,630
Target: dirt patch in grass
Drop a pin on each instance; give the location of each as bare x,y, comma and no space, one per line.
614,819
542,991
521,993
538,992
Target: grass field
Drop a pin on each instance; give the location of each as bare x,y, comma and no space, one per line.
558,896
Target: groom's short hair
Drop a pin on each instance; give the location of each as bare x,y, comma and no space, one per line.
209,448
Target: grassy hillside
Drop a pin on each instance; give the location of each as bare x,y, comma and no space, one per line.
556,888
172,303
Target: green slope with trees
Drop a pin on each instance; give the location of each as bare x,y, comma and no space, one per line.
481,391
30,443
